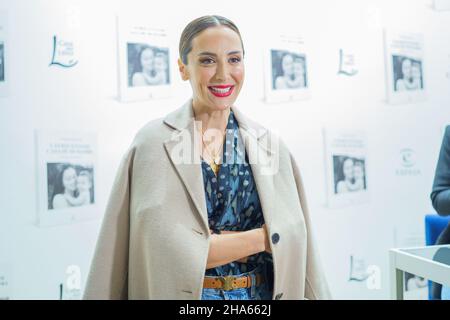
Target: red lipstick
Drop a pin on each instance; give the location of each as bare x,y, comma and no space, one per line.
221,91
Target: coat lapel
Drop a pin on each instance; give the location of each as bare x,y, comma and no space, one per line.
261,155
184,154
183,149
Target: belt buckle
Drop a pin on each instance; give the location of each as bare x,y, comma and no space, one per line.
227,282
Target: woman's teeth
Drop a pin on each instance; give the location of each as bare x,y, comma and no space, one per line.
225,90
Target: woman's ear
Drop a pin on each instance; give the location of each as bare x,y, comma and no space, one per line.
183,70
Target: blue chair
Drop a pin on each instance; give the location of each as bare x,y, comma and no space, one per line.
434,225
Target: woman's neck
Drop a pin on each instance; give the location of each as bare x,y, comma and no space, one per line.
211,119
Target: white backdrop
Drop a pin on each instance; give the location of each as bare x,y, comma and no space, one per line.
84,98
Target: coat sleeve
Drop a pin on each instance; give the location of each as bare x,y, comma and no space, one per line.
440,195
316,286
108,276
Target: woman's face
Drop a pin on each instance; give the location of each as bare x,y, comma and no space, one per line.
160,63
69,179
298,67
406,68
287,64
348,169
147,59
215,68
358,172
83,183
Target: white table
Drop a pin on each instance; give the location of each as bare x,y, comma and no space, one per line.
418,261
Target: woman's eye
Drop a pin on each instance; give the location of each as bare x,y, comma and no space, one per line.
207,61
235,60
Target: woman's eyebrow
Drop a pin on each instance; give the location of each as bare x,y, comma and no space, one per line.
206,53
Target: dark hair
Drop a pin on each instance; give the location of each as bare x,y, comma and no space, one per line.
137,62
58,185
198,25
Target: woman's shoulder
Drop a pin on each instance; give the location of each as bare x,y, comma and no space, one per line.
272,141
154,132
138,79
59,201
341,186
400,84
151,132
280,82
266,136
447,132
157,131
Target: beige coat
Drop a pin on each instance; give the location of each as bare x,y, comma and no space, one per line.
154,239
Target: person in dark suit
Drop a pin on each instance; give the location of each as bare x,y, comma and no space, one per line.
440,197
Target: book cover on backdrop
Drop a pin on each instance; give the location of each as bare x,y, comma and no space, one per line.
415,287
286,69
144,60
66,176
5,281
404,61
346,167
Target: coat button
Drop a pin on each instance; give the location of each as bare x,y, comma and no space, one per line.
278,296
275,238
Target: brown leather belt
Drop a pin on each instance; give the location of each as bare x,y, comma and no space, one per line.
231,282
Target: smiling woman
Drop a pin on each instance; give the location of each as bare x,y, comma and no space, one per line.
211,58
206,227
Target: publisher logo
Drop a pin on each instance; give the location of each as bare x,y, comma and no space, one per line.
408,158
408,163
347,65
63,53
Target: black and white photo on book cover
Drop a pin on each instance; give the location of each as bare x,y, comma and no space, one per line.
346,167
66,167
349,174
147,65
3,54
286,69
404,58
2,61
407,73
70,185
144,59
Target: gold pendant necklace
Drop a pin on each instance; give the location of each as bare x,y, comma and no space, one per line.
215,163
215,166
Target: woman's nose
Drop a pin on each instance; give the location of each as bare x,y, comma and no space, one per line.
221,71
